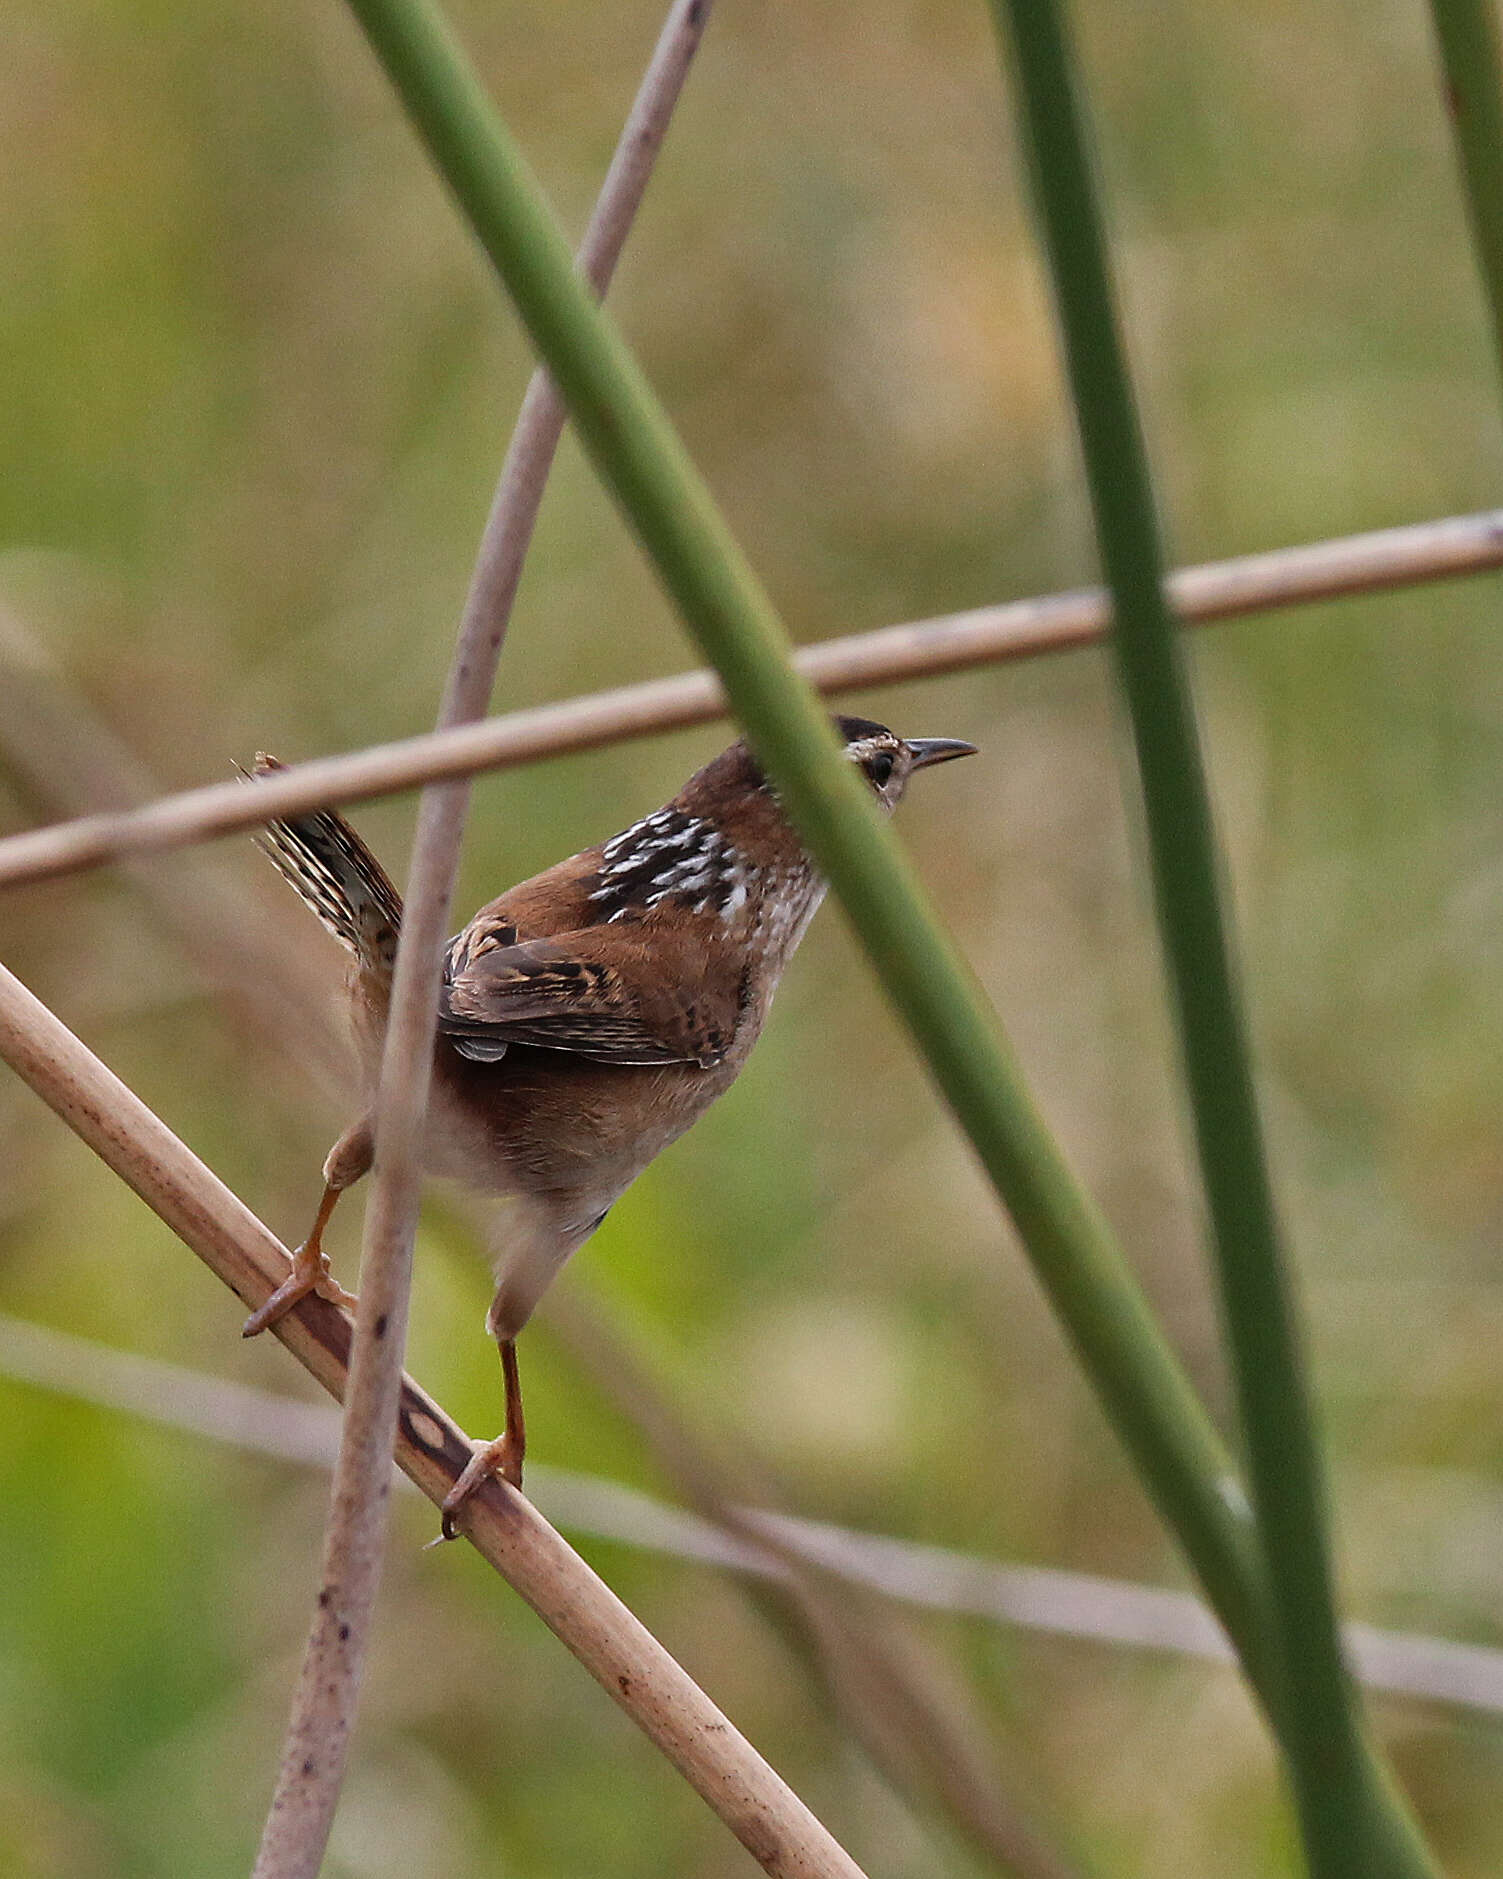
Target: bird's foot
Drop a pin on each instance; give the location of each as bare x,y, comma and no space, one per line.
502,1457
310,1273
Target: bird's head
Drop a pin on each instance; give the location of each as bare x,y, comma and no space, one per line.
733,792
887,760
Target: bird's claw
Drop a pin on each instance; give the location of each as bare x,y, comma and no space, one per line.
501,1458
310,1274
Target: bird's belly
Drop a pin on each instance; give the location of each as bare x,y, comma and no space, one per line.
549,1123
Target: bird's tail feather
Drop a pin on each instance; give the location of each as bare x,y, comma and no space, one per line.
338,877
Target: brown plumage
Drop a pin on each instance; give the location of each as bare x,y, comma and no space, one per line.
588,1016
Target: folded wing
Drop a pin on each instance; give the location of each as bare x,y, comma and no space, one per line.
599,993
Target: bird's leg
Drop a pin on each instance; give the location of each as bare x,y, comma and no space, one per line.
348,1160
504,1455
544,1236
310,1273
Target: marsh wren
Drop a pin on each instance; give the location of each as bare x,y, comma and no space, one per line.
587,1017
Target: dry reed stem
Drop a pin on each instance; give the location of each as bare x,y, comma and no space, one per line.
312,1768
936,1753
63,758
1047,1599
617,1650
891,1693
1283,577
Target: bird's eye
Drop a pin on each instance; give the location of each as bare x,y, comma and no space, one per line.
879,768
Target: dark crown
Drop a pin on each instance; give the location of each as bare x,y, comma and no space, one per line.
886,759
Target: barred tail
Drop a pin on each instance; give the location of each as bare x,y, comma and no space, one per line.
338,877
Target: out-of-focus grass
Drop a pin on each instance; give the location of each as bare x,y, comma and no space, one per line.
256,388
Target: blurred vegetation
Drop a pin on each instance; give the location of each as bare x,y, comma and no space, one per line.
256,386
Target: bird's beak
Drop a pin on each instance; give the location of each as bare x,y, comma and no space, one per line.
927,750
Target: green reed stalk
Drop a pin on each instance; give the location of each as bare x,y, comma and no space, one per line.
1141,1384
1472,69
1349,1830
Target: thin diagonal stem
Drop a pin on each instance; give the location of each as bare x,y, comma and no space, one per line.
879,1683
1146,1394
1347,1833
1471,53
623,427
957,642
1047,1599
635,1671
311,1773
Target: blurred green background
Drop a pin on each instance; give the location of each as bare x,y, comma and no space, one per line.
254,388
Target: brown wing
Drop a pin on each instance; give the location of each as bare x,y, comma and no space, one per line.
603,992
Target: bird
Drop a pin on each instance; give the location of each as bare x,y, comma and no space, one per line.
586,1018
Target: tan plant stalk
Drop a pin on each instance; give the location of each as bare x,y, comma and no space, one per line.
890,1692
1047,1599
1219,590
617,1650
898,1701
312,1768
61,756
